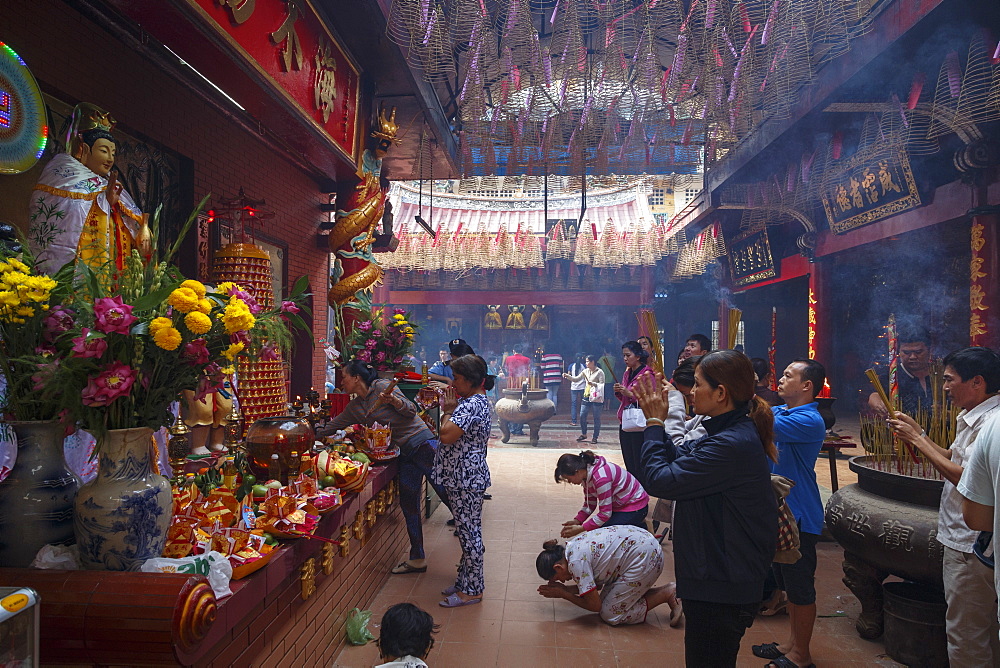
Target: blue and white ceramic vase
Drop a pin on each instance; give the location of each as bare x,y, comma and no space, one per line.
123,514
36,498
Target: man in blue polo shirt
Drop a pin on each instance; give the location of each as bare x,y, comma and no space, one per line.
798,433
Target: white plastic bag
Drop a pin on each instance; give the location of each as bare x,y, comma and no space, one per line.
58,557
213,565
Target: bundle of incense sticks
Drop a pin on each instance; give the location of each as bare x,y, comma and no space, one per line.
380,400
648,328
734,326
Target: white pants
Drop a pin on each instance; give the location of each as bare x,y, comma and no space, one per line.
971,620
623,599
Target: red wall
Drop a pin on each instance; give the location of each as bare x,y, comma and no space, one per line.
75,60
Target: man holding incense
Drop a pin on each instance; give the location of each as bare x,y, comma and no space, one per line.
798,434
914,377
972,380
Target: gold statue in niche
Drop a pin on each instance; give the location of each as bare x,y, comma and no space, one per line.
492,318
539,319
515,320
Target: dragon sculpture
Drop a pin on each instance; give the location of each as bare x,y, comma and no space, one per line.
355,269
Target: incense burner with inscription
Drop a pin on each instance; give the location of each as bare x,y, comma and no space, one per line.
524,406
887,525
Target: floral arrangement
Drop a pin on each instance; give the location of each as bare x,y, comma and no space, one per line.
383,342
127,338
29,326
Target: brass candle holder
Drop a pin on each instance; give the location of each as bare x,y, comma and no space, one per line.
178,447
233,431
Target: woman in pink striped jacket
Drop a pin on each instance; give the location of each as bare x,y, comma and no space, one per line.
611,495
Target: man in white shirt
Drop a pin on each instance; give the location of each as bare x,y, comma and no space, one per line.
576,388
972,380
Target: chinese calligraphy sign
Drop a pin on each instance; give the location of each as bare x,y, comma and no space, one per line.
294,54
977,294
750,258
870,187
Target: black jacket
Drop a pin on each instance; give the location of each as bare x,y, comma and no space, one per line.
726,521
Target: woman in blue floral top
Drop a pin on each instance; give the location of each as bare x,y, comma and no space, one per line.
460,467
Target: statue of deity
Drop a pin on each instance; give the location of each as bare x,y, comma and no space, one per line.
78,209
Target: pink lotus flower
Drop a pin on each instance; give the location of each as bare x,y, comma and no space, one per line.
115,381
86,346
365,326
113,315
240,336
365,356
269,353
58,321
196,353
379,357
248,298
289,307
370,344
213,381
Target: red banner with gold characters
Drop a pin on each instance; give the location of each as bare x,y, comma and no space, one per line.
979,281
287,42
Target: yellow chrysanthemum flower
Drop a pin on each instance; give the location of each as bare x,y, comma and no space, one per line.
8,298
167,338
224,287
233,350
228,369
399,316
184,300
18,265
205,305
4,268
13,278
196,286
236,316
26,311
160,323
198,322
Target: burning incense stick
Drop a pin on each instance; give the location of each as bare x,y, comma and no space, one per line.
773,349
649,329
380,400
734,326
877,385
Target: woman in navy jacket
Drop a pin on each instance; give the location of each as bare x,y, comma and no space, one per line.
726,515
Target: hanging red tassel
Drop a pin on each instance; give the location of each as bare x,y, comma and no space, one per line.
916,88
745,17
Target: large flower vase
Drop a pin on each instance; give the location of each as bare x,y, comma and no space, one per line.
36,498
123,514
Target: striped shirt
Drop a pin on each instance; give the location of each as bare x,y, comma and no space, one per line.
609,488
552,368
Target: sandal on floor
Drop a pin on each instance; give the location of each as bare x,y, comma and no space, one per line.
776,605
455,601
404,567
784,662
581,438
768,650
448,591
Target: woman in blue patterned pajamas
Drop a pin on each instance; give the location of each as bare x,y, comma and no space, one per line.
460,467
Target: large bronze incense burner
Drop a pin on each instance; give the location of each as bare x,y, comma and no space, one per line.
887,524
524,405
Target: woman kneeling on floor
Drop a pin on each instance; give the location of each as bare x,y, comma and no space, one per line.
611,495
623,562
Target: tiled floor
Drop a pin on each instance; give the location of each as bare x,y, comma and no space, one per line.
515,626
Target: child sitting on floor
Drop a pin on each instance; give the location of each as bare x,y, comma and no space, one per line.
405,640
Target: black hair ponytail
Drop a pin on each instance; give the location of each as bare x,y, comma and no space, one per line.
552,553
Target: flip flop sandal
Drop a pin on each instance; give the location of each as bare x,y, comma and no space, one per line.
768,650
454,601
403,568
784,662
449,590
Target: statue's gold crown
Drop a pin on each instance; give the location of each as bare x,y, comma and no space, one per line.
387,126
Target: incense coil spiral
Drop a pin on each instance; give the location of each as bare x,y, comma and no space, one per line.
344,289
194,614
